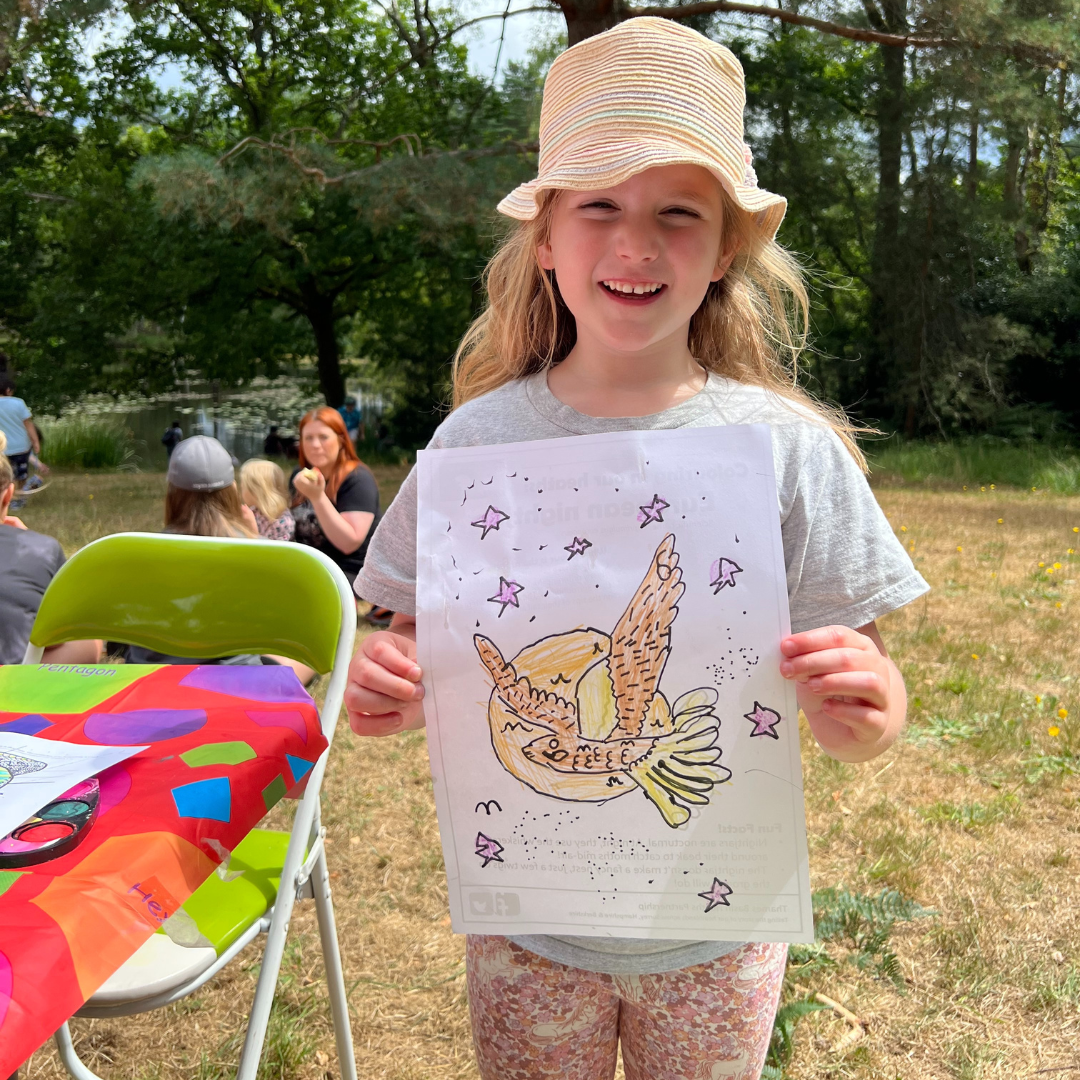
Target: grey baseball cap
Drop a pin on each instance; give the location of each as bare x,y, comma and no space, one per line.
200,464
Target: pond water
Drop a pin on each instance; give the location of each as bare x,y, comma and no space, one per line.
239,419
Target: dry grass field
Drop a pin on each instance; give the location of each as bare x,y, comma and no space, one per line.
973,817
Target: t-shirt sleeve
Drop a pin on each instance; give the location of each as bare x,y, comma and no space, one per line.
845,565
388,577
359,493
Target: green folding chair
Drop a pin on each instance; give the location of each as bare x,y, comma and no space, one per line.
205,597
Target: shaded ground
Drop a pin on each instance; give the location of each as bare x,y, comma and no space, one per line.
973,815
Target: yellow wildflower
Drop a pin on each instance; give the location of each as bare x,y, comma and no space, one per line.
1042,564
1053,730
903,528
991,487
1038,699
959,548
1001,521
1063,713
1057,566
974,656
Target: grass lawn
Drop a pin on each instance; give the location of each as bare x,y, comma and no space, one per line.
973,816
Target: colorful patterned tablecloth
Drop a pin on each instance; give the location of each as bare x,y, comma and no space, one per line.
224,744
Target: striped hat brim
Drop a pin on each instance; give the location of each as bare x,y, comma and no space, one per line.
619,162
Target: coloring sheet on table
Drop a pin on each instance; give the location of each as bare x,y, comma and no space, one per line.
613,749
34,772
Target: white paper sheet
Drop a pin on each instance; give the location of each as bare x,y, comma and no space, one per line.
33,772
613,748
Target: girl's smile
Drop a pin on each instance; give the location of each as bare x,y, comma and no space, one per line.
634,261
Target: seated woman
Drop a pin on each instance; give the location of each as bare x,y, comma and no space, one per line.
202,500
336,504
264,492
28,562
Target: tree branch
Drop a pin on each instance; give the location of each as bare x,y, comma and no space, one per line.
855,33
504,15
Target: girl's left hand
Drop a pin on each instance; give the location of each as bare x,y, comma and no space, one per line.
310,488
851,692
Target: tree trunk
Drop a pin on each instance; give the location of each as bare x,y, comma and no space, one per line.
319,310
888,267
584,18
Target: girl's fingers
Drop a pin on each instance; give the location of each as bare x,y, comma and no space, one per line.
828,662
376,724
361,697
868,685
866,723
824,637
388,650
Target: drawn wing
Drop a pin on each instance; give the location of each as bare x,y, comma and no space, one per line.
538,706
641,641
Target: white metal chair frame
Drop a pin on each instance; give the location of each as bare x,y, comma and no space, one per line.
304,875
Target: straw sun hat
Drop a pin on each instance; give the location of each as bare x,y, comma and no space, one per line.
649,92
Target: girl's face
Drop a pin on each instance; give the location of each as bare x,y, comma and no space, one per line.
633,262
320,444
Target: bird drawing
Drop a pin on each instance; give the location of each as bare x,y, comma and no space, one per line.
580,715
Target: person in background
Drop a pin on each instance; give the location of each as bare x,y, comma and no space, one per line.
264,491
172,438
352,418
336,500
16,425
28,562
202,500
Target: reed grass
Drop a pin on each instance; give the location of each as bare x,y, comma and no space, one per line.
78,443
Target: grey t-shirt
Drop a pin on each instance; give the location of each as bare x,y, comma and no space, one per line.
28,561
844,564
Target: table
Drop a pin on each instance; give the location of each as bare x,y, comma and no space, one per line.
224,744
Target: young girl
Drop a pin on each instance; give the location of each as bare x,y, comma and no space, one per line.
263,490
643,289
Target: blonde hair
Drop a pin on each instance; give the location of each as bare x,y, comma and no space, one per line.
262,485
751,326
7,474
206,513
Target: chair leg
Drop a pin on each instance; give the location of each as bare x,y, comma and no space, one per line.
259,1018
335,979
71,1060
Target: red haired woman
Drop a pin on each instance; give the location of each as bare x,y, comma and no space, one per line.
336,498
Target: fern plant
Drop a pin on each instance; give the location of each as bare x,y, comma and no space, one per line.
864,924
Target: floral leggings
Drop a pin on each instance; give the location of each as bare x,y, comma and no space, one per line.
533,1018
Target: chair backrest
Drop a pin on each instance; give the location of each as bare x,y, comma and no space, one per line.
201,597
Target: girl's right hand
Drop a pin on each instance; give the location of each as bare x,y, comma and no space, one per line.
384,694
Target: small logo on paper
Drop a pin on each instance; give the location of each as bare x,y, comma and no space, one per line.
507,903
503,904
481,903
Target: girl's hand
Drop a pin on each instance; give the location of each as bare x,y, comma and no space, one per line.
310,487
249,517
851,692
384,694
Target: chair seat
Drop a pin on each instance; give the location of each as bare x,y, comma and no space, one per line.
222,911
159,967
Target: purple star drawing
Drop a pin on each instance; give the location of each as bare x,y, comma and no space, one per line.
491,850
492,519
577,547
764,721
653,511
722,573
717,894
507,594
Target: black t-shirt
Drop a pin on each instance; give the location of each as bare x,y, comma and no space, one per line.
28,561
358,493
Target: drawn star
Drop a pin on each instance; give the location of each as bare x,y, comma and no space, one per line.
507,594
490,850
717,894
723,573
653,511
764,721
577,547
492,519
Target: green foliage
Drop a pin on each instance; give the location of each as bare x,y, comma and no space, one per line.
1046,465
782,1043
88,444
864,924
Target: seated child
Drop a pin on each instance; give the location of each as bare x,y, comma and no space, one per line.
264,491
28,562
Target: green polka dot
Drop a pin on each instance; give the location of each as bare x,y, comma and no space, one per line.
274,792
220,753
